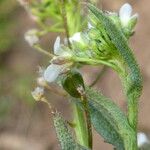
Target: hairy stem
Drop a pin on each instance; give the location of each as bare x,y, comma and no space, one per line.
64,16
80,126
41,50
88,120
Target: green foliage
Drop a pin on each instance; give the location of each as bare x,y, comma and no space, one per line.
110,121
49,15
105,42
133,82
121,45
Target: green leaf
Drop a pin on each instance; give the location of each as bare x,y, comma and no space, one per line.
64,135
110,121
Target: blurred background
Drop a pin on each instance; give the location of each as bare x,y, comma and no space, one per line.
26,124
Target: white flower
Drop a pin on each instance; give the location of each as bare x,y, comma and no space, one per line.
52,72
58,50
31,37
90,25
58,64
142,139
38,93
76,37
125,14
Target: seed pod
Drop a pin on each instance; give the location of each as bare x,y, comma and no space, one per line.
71,82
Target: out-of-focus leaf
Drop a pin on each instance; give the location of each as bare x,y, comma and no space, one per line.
5,107
7,24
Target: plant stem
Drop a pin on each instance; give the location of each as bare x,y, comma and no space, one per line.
64,16
133,113
80,126
88,120
37,47
132,107
82,119
94,62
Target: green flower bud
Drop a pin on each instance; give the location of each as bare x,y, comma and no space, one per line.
72,82
132,22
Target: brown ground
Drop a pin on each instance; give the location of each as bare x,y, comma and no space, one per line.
31,128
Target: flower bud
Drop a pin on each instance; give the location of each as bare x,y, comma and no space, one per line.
133,22
72,82
31,37
38,93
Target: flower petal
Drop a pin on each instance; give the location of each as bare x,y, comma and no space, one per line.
90,25
142,139
125,13
76,37
57,46
52,72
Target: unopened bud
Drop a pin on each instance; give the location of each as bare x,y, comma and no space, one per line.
38,93
133,21
31,37
41,81
72,82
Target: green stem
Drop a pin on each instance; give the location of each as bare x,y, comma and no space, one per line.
80,126
64,16
94,62
132,95
133,113
83,127
133,118
87,120
38,48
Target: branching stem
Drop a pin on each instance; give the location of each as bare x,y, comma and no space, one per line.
88,120
41,50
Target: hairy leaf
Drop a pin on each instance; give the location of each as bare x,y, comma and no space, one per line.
64,135
120,43
133,81
110,121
